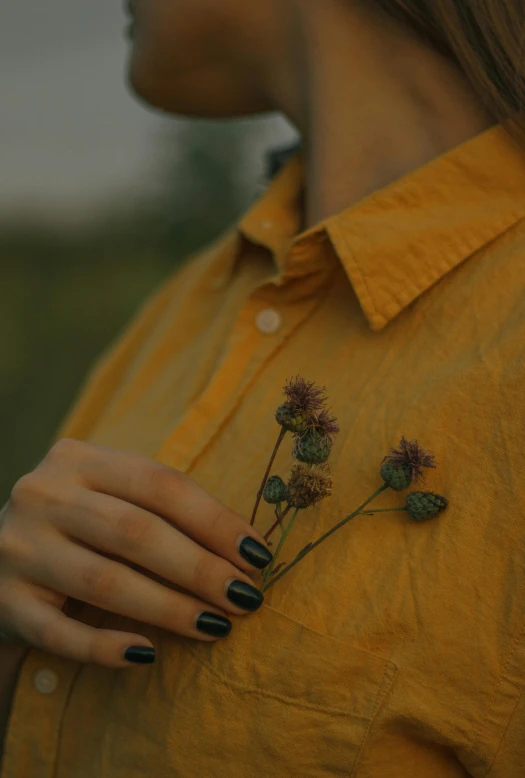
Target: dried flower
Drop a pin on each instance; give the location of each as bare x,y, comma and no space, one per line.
309,485
324,423
413,456
275,490
425,505
312,448
304,400
305,395
314,429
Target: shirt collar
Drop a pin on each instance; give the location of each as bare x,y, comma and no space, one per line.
401,240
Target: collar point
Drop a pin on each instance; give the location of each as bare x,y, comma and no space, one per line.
376,321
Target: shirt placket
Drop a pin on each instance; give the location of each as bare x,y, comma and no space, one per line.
33,738
267,321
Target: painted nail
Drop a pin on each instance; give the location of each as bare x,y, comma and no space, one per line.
212,624
140,655
255,553
245,596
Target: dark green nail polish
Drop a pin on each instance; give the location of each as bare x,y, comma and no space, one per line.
255,553
140,655
215,625
245,596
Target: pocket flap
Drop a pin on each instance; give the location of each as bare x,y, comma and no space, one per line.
274,655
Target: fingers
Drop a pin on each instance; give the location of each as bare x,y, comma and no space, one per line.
43,626
77,572
176,497
121,529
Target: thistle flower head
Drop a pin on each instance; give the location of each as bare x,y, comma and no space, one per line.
275,490
397,477
292,419
308,485
411,455
425,505
305,395
312,448
323,423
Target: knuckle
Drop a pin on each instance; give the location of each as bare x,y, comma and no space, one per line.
99,582
169,614
164,480
13,548
25,490
93,649
202,574
65,451
48,637
219,520
133,527
30,490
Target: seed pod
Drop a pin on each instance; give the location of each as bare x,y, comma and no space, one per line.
312,448
425,505
300,496
275,490
398,477
291,418
309,485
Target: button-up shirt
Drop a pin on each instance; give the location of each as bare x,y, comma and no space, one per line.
395,648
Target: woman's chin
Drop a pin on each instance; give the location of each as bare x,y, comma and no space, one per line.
183,97
143,85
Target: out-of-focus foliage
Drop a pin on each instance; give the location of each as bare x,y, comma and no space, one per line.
65,293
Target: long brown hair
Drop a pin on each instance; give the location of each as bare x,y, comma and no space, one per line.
486,38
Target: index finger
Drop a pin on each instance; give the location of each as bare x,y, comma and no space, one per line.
177,498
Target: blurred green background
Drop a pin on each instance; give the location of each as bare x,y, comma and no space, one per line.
67,289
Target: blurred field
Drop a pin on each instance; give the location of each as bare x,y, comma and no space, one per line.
62,298
66,292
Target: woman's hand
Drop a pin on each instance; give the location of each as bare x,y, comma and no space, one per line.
79,524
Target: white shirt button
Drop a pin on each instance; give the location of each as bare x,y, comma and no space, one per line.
267,225
268,321
46,681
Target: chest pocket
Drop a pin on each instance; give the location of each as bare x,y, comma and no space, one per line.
275,698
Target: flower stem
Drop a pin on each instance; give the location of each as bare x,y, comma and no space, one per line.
382,510
280,518
267,474
268,572
326,535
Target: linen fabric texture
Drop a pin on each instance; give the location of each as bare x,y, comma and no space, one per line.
396,648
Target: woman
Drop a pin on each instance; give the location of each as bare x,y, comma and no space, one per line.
386,262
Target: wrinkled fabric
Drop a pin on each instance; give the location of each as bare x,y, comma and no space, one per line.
395,648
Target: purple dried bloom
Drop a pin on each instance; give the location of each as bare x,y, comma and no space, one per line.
324,423
308,485
412,455
305,395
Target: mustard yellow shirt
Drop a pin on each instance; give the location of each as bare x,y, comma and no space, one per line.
396,649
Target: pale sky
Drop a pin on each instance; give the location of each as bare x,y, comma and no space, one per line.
71,136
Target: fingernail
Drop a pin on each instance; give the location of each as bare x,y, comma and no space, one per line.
140,655
255,553
215,625
244,595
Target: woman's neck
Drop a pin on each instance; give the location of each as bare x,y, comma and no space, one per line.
371,101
